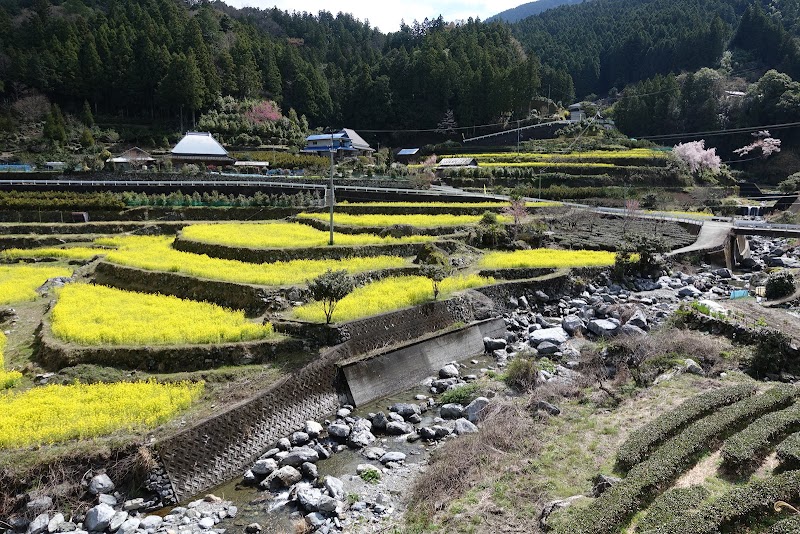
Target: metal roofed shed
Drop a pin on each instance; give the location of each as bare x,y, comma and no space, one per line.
408,152
449,163
344,143
200,147
251,164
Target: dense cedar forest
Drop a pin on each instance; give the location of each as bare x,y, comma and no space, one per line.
515,14
143,59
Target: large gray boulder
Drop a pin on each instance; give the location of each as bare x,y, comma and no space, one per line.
129,526
451,411
335,487
392,457
630,330
151,522
299,455
313,500
556,335
285,477
572,324
38,525
603,327
545,348
101,484
689,291
55,524
264,467
476,410
396,428
98,518
463,426
362,438
449,371
638,319
405,409
338,431
313,429
491,344
117,521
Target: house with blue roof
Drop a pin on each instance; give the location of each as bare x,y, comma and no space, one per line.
345,143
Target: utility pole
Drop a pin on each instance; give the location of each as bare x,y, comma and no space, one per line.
330,192
517,136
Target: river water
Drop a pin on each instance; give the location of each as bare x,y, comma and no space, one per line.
274,514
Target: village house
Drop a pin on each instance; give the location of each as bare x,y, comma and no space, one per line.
133,158
200,148
345,143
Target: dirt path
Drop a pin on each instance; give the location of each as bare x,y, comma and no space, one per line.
712,236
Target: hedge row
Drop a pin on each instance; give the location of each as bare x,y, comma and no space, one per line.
639,444
789,451
786,526
671,504
613,508
738,504
742,450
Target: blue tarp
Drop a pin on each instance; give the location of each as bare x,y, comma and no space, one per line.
16,168
739,294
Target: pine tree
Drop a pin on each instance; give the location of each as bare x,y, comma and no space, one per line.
86,115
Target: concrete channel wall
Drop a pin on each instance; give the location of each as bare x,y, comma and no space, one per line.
389,372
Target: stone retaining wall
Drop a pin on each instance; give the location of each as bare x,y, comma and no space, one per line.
254,300
55,354
515,274
270,255
154,213
378,230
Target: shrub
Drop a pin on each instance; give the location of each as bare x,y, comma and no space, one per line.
521,374
436,274
772,354
741,451
642,441
613,508
97,315
671,504
329,288
738,503
790,525
463,394
19,282
53,413
789,451
780,284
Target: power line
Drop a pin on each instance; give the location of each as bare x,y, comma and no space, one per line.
728,131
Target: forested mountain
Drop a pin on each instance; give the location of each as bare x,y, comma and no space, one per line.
523,11
154,58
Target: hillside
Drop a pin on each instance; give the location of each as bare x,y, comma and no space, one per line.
530,9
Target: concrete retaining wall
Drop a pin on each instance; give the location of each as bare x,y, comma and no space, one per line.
393,371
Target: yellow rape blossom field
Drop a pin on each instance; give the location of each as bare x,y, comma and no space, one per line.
54,414
642,153
387,295
19,282
546,258
97,315
478,205
67,253
7,378
420,221
156,254
283,235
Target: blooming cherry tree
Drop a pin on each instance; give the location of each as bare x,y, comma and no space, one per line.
266,111
768,145
697,156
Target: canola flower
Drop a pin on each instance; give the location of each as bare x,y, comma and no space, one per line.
97,315
634,153
387,295
68,253
156,254
283,235
54,414
555,164
8,379
19,282
478,205
420,221
546,258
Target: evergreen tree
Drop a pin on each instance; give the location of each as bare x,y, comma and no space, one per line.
86,115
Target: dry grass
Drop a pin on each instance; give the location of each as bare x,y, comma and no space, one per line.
476,459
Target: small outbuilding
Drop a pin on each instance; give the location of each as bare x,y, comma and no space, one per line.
200,148
456,163
407,155
133,158
576,112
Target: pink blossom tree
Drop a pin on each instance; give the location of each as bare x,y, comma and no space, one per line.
764,141
266,111
697,156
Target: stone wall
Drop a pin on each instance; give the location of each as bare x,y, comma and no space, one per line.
222,446
515,274
55,354
254,255
378,230
254,300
